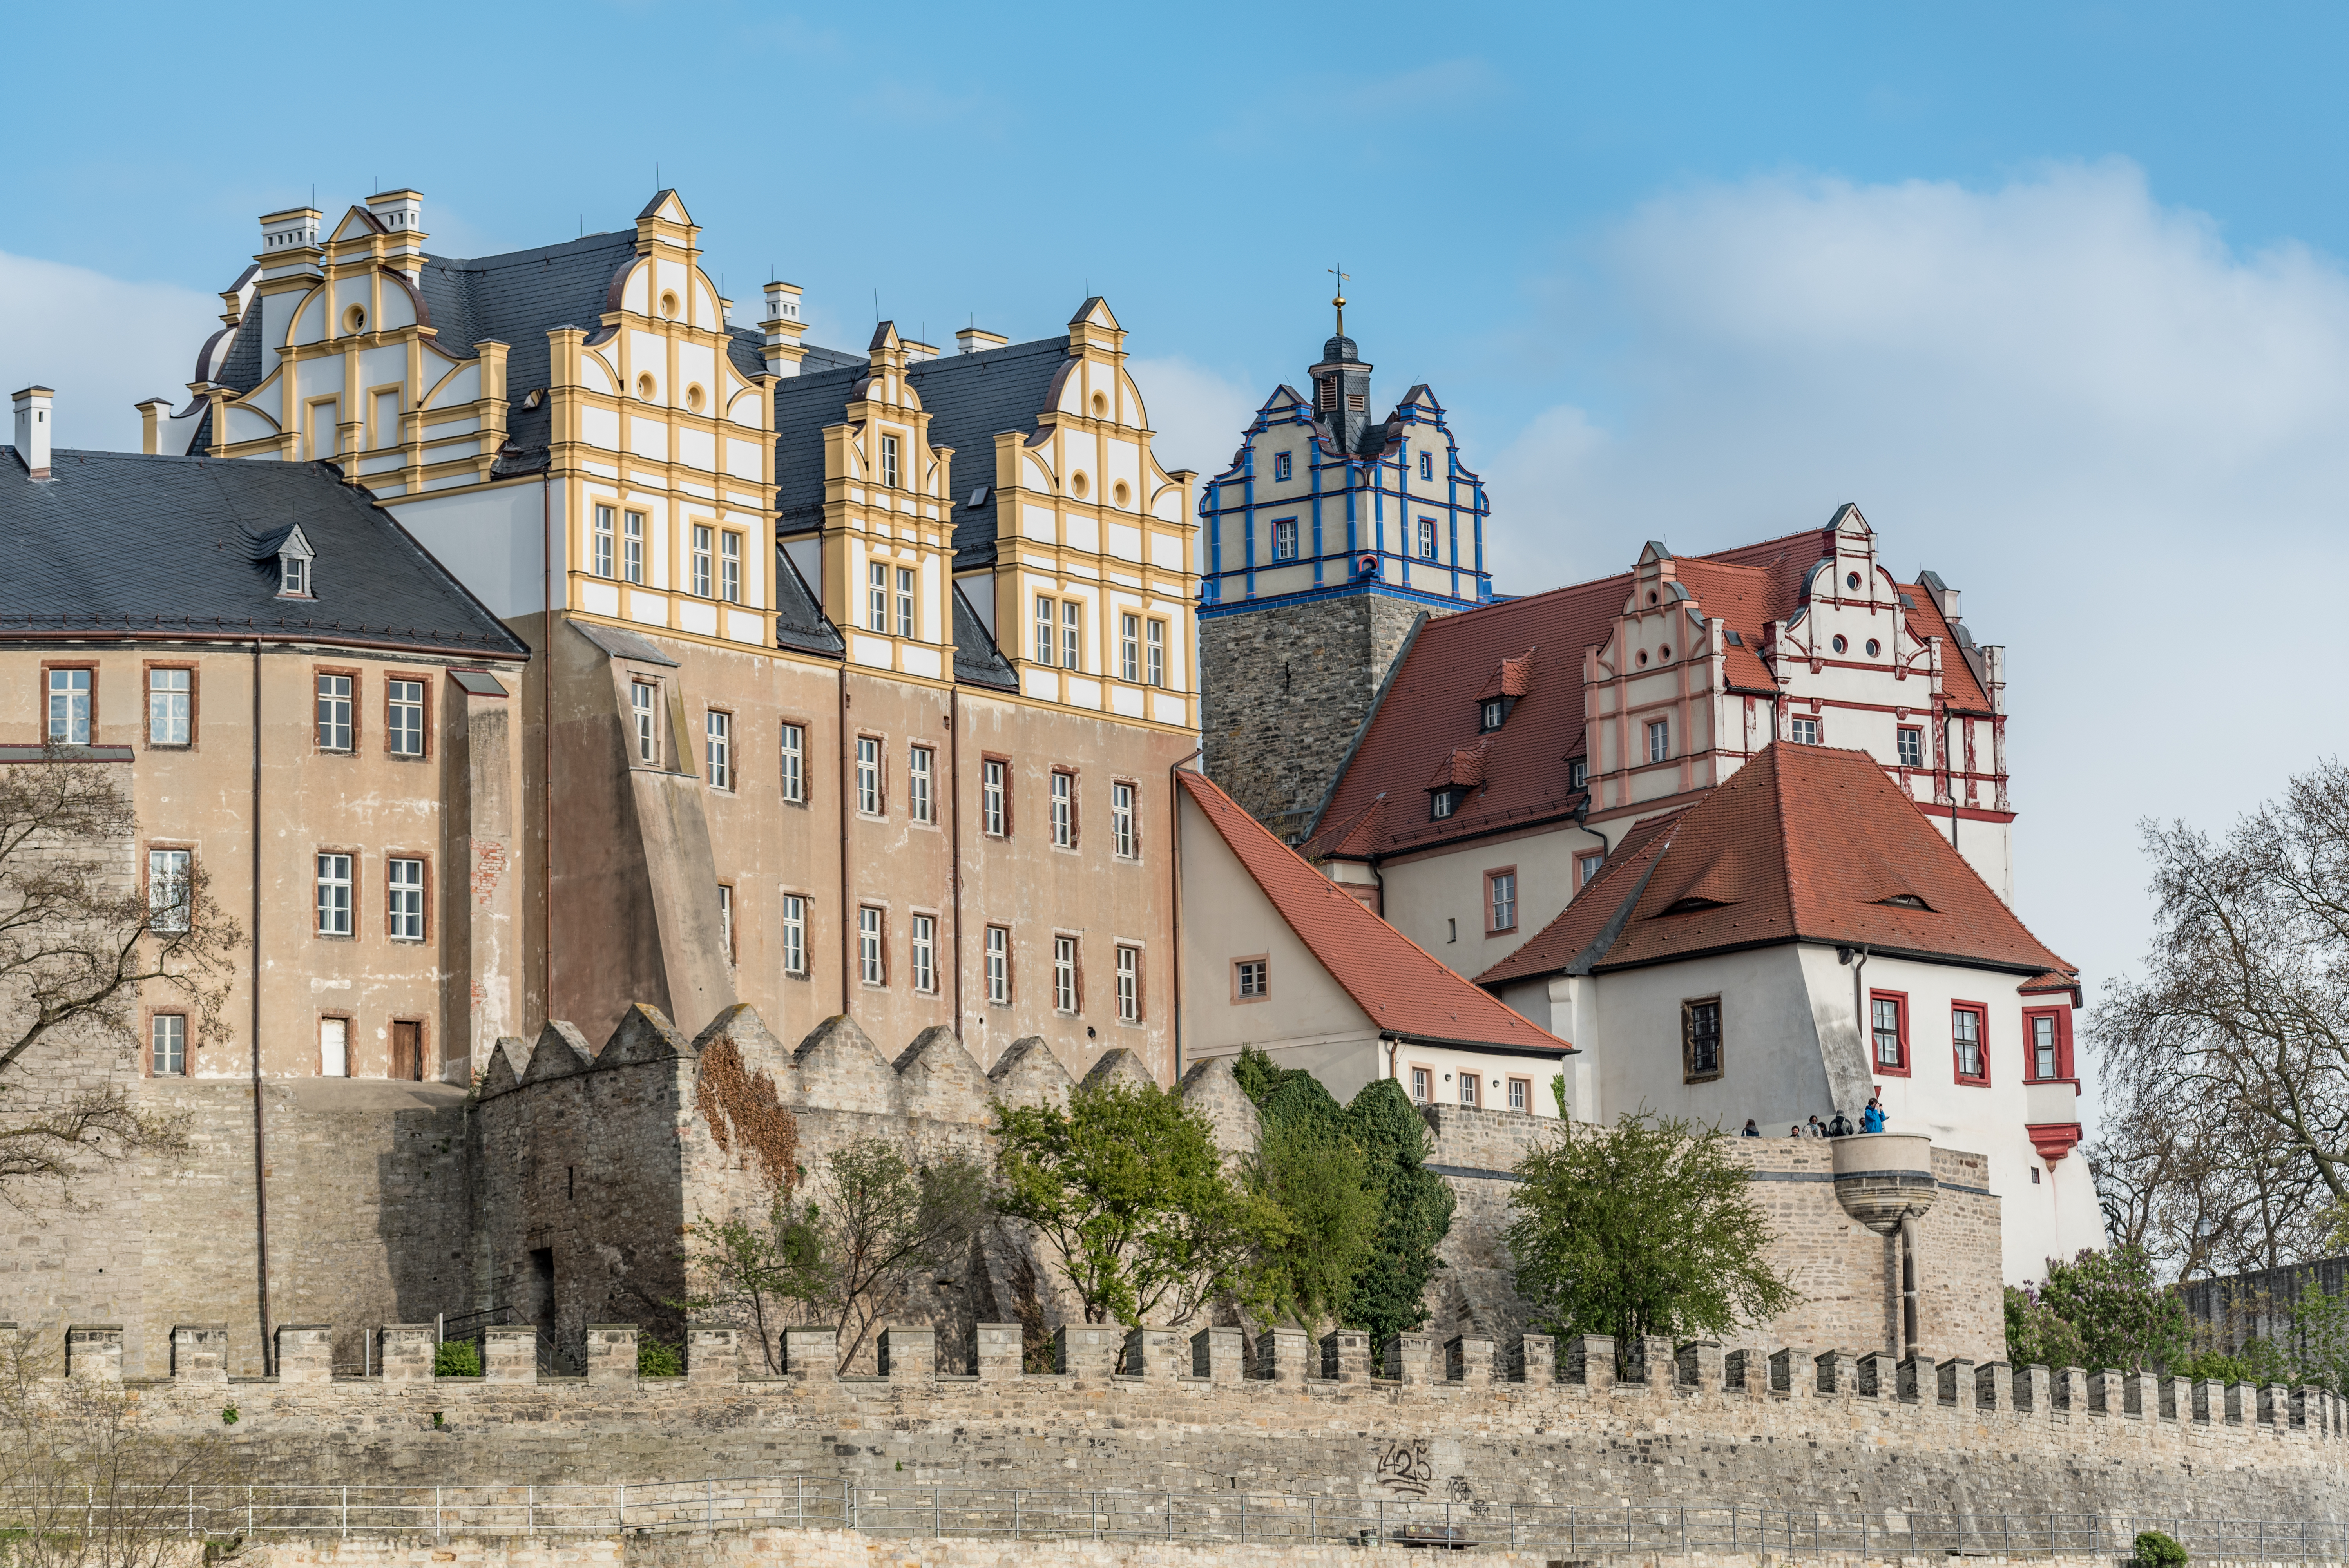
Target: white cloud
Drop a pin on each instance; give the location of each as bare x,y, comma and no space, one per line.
102,343
1198,415
2121,439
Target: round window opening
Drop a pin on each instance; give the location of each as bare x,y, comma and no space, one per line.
1840,645
1078,486
668,305
354,319
1651,598
693,399
1101,406
1851,581
1643,659
1874,647
1123,494
644,387
1665,652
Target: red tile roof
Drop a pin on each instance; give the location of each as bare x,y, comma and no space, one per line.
1462,768
1803,843
1511,677
1391,977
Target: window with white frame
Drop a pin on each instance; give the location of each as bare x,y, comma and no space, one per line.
404,713
334,713
1064,974
1660,739
1966,1036
170,894
1046,618
1284,539
167,1045
1129,984
721,749
1073,653
1913,746
1129,647
794,933
1471,1088
1422,1084
794,762
999,964
889,461
868,945
1158,653
1427,465
876,596
904,600
601,556
1586,866
292,577
1803,731
632,548
1501,899
920,764
729,569
1250,978
1521,1094
994,798
644,698
334,895
1065,810
1282,466
868,775
726,919
1123,842
403,881
171,706
926,953
1427,539
702,541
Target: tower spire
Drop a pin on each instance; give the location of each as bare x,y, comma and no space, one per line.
1339,299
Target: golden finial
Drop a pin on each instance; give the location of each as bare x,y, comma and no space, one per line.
1340,298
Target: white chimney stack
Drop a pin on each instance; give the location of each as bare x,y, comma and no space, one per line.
973,340
33,430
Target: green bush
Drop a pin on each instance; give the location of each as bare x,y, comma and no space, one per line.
658,1359
2157,1549
456,1359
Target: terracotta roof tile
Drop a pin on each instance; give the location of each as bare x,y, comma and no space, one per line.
1592,911
1511,677
1393,980
1463,768
1957,675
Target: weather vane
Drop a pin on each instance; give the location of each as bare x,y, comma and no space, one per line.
1339,299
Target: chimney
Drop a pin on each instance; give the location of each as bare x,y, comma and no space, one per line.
972,340
918,353
783,327
402,212
32,406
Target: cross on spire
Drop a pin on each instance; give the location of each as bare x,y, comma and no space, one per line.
1339,299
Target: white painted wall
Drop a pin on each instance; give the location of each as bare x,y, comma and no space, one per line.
494,541
1438,898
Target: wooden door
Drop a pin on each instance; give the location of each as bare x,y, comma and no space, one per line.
407,1051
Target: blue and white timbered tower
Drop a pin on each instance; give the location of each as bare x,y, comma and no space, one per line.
1320,548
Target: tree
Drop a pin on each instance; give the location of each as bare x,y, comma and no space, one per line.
880,1223
1329,1205
1390,1292
1128,1189
1649,1227
80,945
2102,1309
751,1273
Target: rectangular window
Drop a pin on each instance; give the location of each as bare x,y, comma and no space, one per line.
170,893
334,895
643,700
602,546
1282,466
889,461
1967,1029
403,881
726,919
1129,984
1660,739
721,749
1912,747
1521,1094
171,706
794,757
876,597
1123,842
167,1053
1441,803
335,1048
1577,773
1158,653
994,799
701,543
334,713
1888,1030
1064,974
292,577
404,715
918,768
999,964
729,569
1072,634
632,555
1427,539
1701,1039
868,776
1284,539
1803,731
904,600
1044,621
2046,1036
868,947
1250,979
1427,465
1421,1082
1065,810
794,933
1501,901
1129,647
1469,1086
1587,866
926,953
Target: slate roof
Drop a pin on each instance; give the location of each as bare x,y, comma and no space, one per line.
1402,990
800,620
977,658
1806,843
972,397
805,405
117,541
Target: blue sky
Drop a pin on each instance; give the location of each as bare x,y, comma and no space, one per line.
2052,292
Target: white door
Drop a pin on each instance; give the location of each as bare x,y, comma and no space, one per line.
334,1048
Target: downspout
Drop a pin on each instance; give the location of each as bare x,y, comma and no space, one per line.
954,835
1908,1284
547,745
260,1161
1175,888
847,932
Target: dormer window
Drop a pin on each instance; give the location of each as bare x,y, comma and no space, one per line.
290,549
292,577
1907,901
1577,773
1442,803
1494,712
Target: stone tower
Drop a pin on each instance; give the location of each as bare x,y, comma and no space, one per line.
1321,546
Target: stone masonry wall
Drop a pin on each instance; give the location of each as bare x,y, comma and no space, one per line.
1283,691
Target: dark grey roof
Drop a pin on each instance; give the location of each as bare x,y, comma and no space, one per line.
977,658
619,643
805,404
799,614
971,397
122,543
517,298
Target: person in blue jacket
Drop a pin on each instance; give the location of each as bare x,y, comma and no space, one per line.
1872,1118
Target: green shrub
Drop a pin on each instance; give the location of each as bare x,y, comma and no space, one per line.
2157,1549
658,1359
456,1359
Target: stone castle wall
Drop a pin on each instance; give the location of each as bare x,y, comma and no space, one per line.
1284,690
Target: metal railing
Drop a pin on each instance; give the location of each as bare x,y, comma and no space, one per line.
813,1502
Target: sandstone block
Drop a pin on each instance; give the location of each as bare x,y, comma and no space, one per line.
404,1351
200,1352
306,1352
94,1350
612,1353
1217,1356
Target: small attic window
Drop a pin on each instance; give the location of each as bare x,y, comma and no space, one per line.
1907,901
977,498
292,577
1442,803
1493,713
1692,905
1732,639
1577,773
292,552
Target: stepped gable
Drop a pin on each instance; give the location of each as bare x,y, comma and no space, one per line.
838,1068
1209,1089
1118,1066
1803,843
740,1025
509,1059
558,1051
644,1034
937,1078
1028,1073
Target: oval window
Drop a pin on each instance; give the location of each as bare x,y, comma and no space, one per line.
1840,645
1101,406
1665,652
1874,647
355,320
1643,658
1078,486
644,387
693,399
668,305
1851,581
1651,598
1123,494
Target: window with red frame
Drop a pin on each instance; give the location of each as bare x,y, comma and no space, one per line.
1970,1041
1889,1031
2047,1043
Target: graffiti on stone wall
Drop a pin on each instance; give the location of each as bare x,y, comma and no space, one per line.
1405,1466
